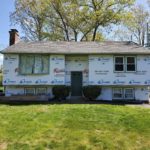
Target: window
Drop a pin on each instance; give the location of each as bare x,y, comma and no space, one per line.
129,94
117,93
119,63
30,64
129,65
30,91
123,93
41,91
130,62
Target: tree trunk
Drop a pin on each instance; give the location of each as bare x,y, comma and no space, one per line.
75,35
143,38
63,22
94,33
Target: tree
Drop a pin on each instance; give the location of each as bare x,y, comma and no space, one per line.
84,18
121,34
31,16
148,1
135,24
67,19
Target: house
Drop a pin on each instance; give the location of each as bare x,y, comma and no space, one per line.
121,69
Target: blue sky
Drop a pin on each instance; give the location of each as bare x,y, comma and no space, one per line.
6,7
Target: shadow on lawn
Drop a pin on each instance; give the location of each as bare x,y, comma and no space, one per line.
53,102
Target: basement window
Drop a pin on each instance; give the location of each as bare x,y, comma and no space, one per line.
131,63
29,91
41,91
34,64
129,93
119,63
117,93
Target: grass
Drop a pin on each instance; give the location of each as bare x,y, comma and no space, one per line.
1,80
2,88
74,127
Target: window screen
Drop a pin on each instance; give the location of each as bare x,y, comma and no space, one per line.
130,63
119,63
29,91
30,64
117,93
41,91
129,94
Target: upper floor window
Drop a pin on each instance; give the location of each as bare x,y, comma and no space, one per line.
34,64
119,63
130,60
127,63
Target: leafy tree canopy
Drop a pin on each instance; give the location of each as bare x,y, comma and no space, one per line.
77,20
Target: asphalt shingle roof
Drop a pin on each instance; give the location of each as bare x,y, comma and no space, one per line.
49,47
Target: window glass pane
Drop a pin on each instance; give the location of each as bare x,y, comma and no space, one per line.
131,60
119,60
29,64
130,63
38,64
29,91
45,64
26,64
119,64
34,64
41,91
131,67
22,64
117,93
119,68
129,93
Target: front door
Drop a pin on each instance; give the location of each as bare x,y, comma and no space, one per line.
76,83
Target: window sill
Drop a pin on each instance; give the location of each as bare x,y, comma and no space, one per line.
119,71
117,98
131,71
125,71
33,74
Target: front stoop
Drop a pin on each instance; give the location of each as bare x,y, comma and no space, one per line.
76,100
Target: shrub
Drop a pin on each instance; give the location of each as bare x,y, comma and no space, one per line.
91,92
61,91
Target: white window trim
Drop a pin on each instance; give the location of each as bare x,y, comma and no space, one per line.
29,88
121,92
123,63
127,64
132,93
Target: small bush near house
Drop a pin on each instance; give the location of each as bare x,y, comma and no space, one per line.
91,92
61,92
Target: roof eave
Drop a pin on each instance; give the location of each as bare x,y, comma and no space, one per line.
94,53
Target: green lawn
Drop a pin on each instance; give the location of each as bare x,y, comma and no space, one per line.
2,88
74,127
